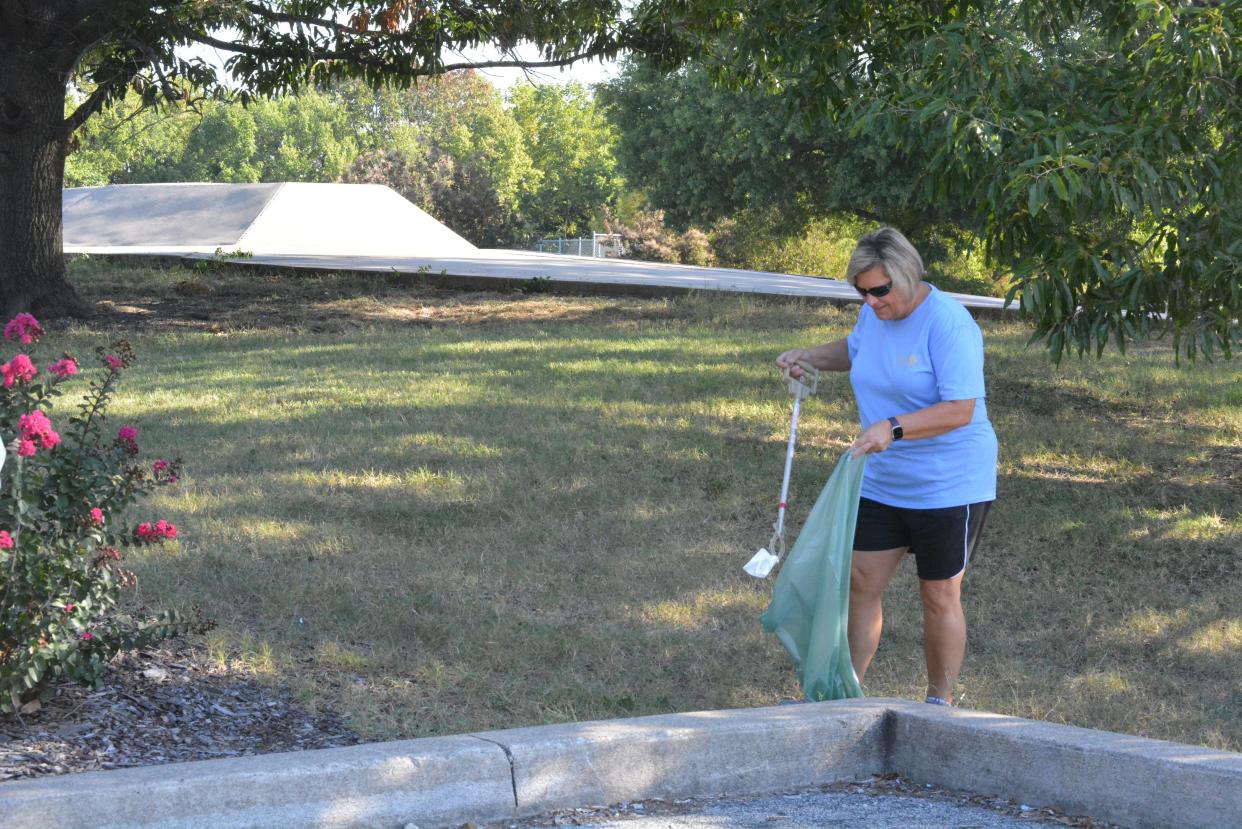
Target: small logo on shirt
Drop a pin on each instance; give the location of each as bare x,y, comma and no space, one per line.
912,361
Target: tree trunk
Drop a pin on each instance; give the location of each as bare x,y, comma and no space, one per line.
32,166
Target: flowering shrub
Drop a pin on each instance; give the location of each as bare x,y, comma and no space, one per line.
65,488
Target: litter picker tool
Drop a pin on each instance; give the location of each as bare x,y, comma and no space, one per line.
801,387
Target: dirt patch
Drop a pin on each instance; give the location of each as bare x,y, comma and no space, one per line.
164,705
225,299
1046,400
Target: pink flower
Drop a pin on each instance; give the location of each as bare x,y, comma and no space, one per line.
64,368
69,607
32,426
24,327
165,472
6,540
161,529
88,636
113,361
19,368
97,516
127,439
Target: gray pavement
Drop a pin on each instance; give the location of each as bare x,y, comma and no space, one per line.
861,806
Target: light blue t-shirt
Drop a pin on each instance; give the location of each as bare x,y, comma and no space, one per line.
901,366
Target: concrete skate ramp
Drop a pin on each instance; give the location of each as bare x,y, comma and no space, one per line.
194,216
286,218
368,227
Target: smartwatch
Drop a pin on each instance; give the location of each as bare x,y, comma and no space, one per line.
898,432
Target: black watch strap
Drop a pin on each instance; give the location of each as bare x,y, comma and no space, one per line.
898,432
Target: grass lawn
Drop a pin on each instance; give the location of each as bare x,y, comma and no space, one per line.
439,512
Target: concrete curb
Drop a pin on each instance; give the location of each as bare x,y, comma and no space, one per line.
1133,781
686,755
436,781
501,775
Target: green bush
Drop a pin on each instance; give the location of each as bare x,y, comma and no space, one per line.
62,527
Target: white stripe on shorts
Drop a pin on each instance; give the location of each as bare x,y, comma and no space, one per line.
965,545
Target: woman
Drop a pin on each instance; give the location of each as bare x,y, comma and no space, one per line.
915,359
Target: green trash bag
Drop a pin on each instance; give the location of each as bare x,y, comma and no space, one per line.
810,605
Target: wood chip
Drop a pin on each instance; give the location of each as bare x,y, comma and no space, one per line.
159,706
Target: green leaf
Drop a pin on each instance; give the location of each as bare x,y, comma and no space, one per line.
1058,186
1035,199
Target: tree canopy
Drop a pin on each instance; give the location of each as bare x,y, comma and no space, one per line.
705,152
449,146
1094,142
573,146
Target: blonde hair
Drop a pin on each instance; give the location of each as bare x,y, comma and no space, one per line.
887,248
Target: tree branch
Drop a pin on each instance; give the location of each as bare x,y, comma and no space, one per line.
284,17
519,64
93,103
154,62
87,21
357,58
377,63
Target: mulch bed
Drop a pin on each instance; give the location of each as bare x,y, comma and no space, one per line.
163,705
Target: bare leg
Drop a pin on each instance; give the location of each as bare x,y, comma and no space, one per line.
944,634
870,573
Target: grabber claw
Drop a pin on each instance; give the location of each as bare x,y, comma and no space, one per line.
804,385
764,561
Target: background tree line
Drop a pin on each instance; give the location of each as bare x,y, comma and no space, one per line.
644,155
498,171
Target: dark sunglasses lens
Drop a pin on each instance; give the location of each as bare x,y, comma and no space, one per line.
877,292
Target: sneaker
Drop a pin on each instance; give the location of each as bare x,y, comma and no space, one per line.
938,701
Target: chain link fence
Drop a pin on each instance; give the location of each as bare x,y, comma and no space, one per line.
600,246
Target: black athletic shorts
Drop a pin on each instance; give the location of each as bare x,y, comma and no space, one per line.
942,540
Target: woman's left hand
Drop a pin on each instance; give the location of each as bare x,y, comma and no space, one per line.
875,438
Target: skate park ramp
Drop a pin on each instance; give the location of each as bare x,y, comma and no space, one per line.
282,218
371,228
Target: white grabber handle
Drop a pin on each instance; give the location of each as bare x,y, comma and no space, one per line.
802,387
779,536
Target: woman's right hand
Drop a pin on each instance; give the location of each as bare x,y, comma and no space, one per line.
791,358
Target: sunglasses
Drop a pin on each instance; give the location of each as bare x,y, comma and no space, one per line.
877,292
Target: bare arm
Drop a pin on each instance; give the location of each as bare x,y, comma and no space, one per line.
833,356
925,423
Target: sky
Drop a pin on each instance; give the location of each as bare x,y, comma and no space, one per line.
584,72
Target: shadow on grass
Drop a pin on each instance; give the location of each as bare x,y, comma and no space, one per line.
446,530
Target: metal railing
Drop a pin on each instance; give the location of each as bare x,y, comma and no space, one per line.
600,246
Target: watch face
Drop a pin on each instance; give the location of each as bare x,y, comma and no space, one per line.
898,431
